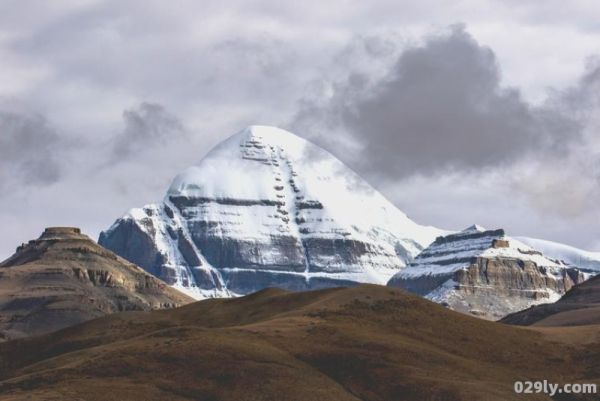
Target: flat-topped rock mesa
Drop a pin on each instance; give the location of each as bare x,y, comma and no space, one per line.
35,248
62,233
64,277
486,273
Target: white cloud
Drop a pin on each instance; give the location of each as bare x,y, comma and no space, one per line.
221,65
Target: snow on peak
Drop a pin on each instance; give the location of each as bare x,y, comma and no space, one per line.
230,169
270,165
474,228
457,251
268,203
573,256
264,137
271,135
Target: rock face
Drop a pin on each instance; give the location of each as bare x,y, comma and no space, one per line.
578,307
267,208
64,278
485,273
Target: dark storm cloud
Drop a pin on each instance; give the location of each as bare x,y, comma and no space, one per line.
441,106
582,99
220,66
147,125
29,149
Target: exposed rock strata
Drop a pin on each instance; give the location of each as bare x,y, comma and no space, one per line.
485,273
266,208
579,306
64,278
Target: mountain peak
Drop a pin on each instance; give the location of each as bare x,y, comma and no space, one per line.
267,131
51,233
241,165
474,228
37,248
258,210
485,273
267,135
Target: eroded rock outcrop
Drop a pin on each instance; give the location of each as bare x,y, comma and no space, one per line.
487,274
580,306
64,278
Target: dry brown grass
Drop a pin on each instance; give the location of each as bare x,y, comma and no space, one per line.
364,343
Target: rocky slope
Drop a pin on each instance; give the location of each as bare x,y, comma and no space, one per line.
369,343
267,208
486,273
64,278
579,306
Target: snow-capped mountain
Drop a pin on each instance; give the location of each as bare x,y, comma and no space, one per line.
486,273
267,208
585,260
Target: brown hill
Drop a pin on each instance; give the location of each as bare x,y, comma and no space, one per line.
363,343
64,278
580,306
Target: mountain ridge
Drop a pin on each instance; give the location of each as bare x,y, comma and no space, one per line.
586,260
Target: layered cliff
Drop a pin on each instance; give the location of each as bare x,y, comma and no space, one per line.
486,273
580,306
267,208
64,278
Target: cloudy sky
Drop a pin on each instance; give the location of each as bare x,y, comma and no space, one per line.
460,112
